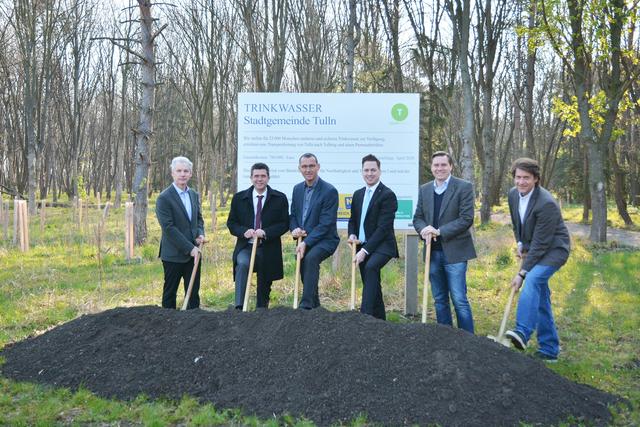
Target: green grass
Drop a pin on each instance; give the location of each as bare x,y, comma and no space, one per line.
596,298
573,213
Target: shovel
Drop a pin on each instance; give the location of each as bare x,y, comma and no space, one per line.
427,266
297,282
196,263
245,306
501,339
353,274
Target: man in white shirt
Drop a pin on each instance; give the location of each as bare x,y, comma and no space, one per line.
543,244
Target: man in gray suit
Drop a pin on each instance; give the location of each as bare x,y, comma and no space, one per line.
180,217
543,244
445,215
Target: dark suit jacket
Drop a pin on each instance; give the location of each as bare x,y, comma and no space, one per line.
178,233
544,235
275,222
456,218
320,223
378,222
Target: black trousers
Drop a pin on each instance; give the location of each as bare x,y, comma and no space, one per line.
372,302
173,272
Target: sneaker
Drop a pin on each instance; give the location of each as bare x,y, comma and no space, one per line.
547,358
516,339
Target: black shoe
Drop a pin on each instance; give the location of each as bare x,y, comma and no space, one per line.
547,358
239,307
516,339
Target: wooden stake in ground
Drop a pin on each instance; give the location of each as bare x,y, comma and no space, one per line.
297,281
15,221
43,205
214,218
128,230
245,306
194,271
427,266
22,224
5,224
353,274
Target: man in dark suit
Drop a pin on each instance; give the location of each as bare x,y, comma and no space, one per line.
314,212
445,215
180,217
373,209
543,244
258,215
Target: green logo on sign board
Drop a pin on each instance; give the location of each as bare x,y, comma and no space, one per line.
405,209
399,112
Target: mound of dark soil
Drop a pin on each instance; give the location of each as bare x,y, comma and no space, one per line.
328,367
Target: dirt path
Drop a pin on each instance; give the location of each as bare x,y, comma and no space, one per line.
623,237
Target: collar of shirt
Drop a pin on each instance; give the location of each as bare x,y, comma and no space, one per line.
523,202
312,186
373,188
181,191
442,188
255,199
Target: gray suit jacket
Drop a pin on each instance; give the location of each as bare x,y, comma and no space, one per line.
544,235
456,218
178,232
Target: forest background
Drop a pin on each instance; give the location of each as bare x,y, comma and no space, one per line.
97,97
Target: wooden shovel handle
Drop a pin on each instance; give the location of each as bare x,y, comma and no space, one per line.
297,281
245,306
353,244
425,283
196,264
507,309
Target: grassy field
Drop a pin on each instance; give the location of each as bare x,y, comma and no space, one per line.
67,273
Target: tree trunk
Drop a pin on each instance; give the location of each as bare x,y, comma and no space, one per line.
144,132
351,46
462,24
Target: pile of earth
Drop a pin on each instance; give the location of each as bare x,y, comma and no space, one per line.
325,366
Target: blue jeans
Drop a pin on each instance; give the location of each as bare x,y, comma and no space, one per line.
534,310
450,280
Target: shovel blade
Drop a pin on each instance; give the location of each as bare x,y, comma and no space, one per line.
500,340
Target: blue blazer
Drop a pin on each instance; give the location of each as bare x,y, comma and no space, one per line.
320,223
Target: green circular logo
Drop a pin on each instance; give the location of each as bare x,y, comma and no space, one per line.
399,112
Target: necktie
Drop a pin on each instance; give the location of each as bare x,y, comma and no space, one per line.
365,206
259,213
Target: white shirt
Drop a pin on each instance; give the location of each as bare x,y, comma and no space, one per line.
255,200
442,188
523,202
186,199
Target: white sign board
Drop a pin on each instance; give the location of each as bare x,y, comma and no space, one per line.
340,129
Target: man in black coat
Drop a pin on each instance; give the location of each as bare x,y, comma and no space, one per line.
180,217
543,244
373,209
258,215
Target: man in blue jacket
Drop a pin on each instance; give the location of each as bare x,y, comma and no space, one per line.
314,212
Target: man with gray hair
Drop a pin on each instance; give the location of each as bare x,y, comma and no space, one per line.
180,217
